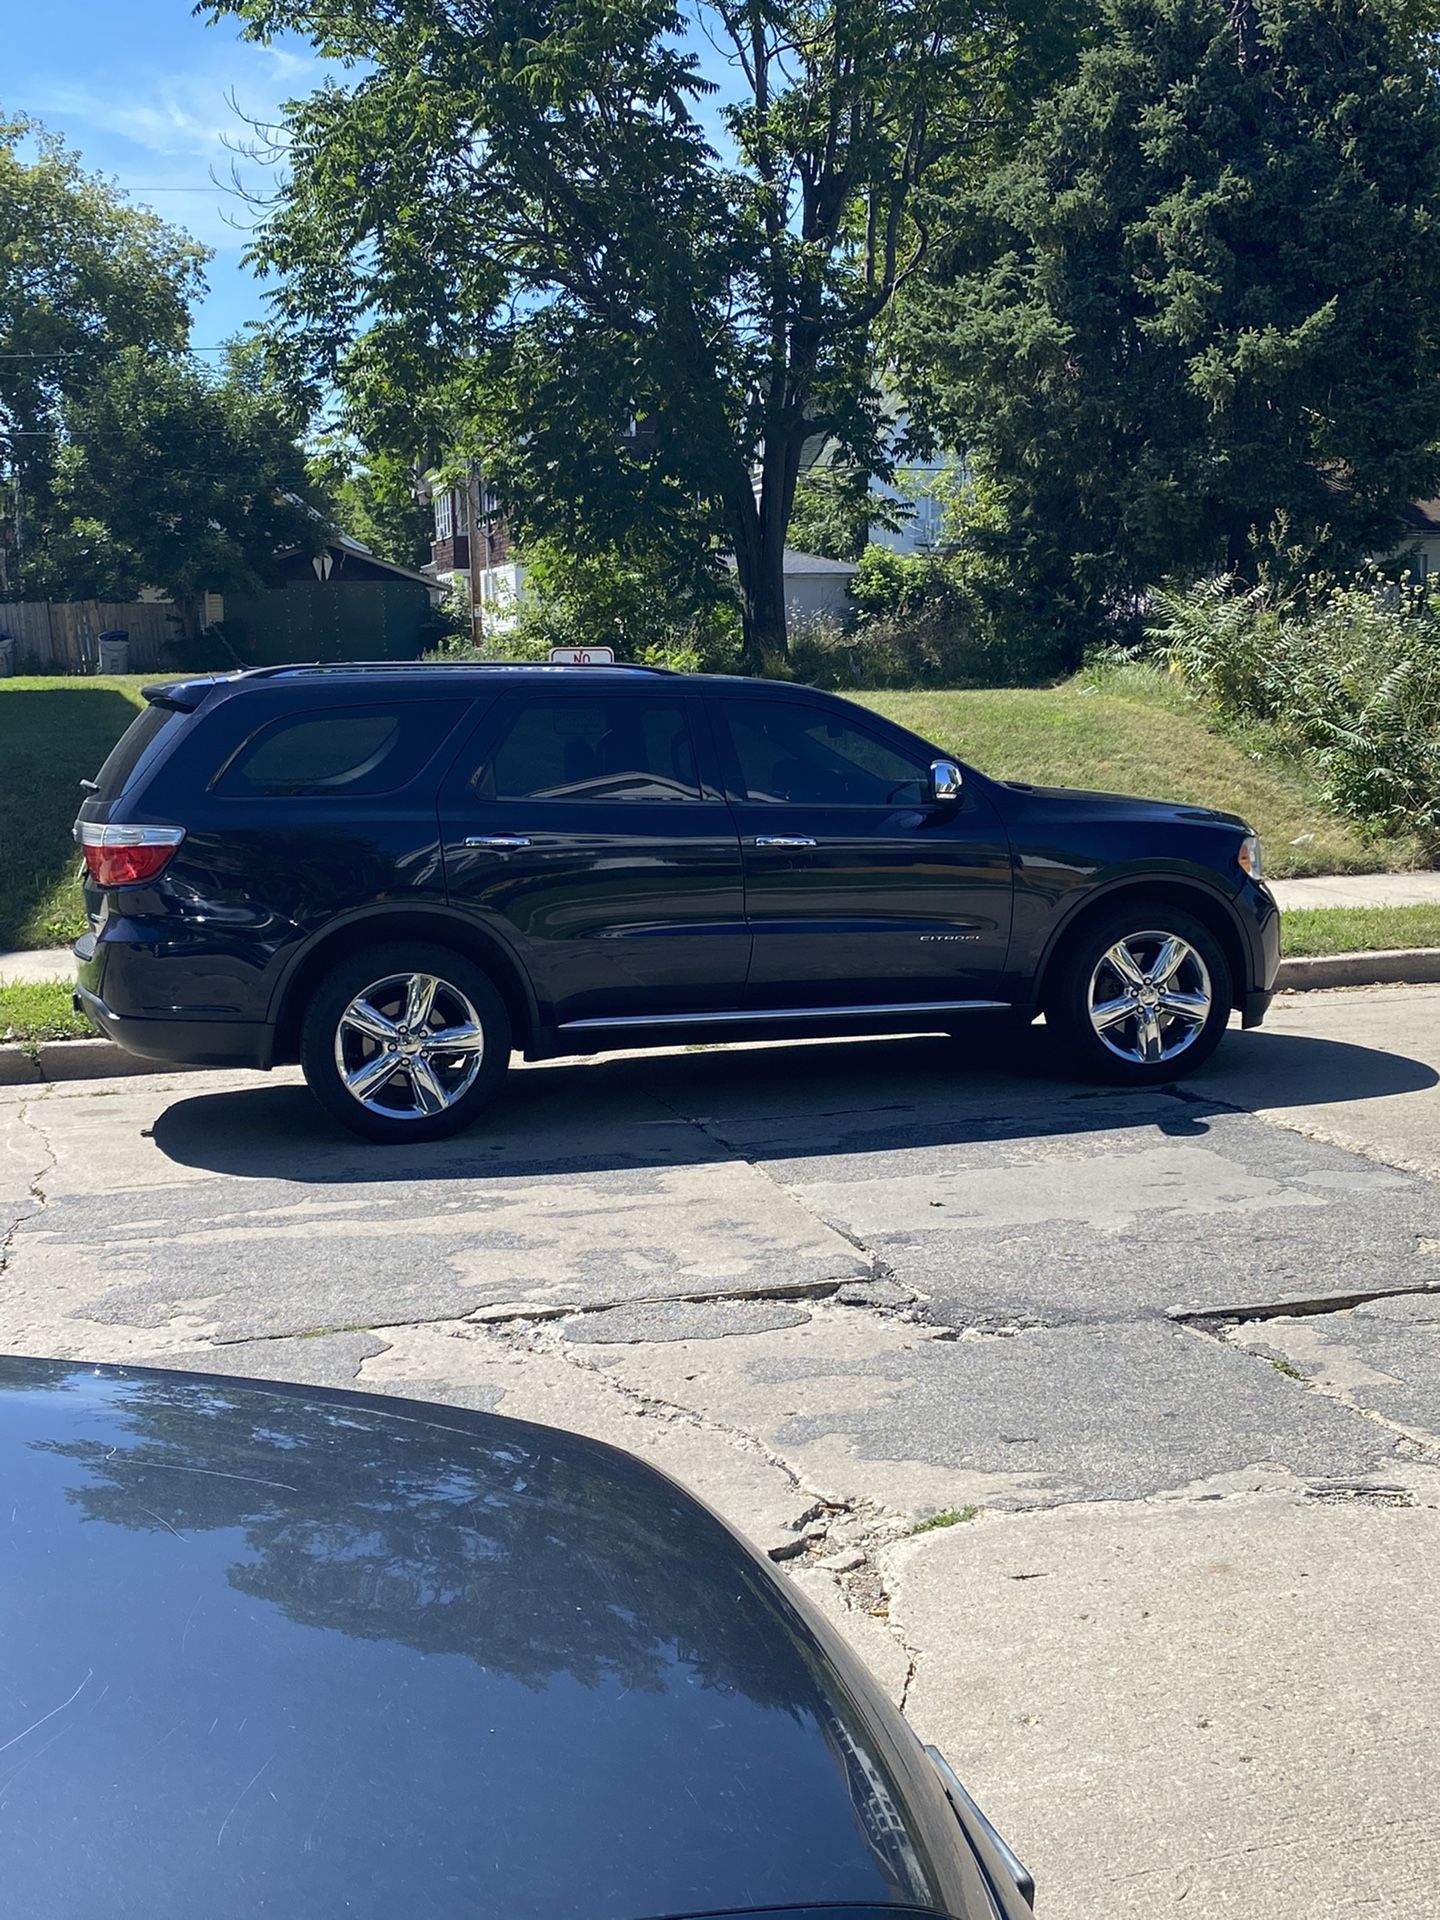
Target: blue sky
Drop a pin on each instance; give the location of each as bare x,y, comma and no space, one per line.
142,88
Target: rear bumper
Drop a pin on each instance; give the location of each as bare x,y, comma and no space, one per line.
188,1043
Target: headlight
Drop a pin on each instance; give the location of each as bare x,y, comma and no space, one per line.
1250,856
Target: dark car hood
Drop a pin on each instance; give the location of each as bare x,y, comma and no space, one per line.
1132,805
291,1653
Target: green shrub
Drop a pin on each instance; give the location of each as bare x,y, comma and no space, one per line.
1349,675
931,620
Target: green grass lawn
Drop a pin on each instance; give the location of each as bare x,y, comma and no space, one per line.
1133,735
40,1013
1128,733
53,734
1358,929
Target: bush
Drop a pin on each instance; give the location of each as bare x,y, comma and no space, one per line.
1349,675
927,620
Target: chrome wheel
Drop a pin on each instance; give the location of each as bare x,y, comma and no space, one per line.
409,1046
1150,997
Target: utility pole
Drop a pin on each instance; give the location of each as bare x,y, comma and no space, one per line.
472,515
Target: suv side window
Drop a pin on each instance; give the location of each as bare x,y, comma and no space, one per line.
789,754
342,752
570,747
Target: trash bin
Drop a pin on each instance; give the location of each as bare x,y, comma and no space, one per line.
115,650
7,655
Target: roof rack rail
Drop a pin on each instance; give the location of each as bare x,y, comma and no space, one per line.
400,666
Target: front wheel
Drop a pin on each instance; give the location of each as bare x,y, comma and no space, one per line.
405,1042
1141,995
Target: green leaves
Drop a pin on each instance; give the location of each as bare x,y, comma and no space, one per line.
1203,302
169,477
630,292
83,276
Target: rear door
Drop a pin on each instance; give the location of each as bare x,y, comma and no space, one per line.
583,827
860,889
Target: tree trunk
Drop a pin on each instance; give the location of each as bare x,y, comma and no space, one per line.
762,604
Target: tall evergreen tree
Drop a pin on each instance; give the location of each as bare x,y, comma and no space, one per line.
1198,316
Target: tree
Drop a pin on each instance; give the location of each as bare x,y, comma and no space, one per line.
537,230
1196,319
172,477
372,498
83,276
834,512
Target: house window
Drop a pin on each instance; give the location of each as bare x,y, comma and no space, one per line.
445,515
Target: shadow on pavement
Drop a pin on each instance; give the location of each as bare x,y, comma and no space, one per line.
779,1102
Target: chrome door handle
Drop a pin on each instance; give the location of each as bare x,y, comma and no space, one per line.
783,840
501,840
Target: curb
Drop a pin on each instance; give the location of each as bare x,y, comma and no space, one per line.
97,1059
54,1060
1387,967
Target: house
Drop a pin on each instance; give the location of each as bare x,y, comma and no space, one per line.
472,553
1420,523
342,603
916,499
818,588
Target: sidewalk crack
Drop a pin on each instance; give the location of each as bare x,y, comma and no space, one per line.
35,1187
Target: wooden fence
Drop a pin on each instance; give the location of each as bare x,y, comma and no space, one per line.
61,636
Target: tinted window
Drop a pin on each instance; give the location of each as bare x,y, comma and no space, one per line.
596,749
793,755
346,753
132,747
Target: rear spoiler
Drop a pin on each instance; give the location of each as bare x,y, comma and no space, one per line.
183,696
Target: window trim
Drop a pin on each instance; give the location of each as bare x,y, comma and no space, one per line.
738,793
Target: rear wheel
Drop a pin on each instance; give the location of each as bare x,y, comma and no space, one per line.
1140,995
405,1042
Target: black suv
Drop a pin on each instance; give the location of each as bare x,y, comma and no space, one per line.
396,875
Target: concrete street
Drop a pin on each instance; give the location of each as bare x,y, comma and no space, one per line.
1165,1367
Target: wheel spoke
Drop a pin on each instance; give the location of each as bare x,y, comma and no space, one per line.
366,1079
369,1020
1152,1042
465,1039
419,1000
1192,1007
1110,1013
1126,965
1169,960
429,1093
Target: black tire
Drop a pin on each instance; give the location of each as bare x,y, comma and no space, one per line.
1186,1039
400,1107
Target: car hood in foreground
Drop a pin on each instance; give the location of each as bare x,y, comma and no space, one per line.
301,1654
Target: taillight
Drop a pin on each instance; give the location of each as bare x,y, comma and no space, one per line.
123,856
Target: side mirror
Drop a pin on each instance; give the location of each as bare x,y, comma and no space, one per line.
945,780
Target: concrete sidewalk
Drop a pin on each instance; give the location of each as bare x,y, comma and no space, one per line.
1344,890
41,965
1335,890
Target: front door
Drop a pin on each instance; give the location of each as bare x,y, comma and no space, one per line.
579,827
860,889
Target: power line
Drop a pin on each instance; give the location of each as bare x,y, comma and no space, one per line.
80,353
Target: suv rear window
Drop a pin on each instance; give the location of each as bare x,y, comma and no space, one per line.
133,746
344,753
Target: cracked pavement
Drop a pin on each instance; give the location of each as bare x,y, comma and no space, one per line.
1162,1371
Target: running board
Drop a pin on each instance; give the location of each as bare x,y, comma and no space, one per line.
752,1016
